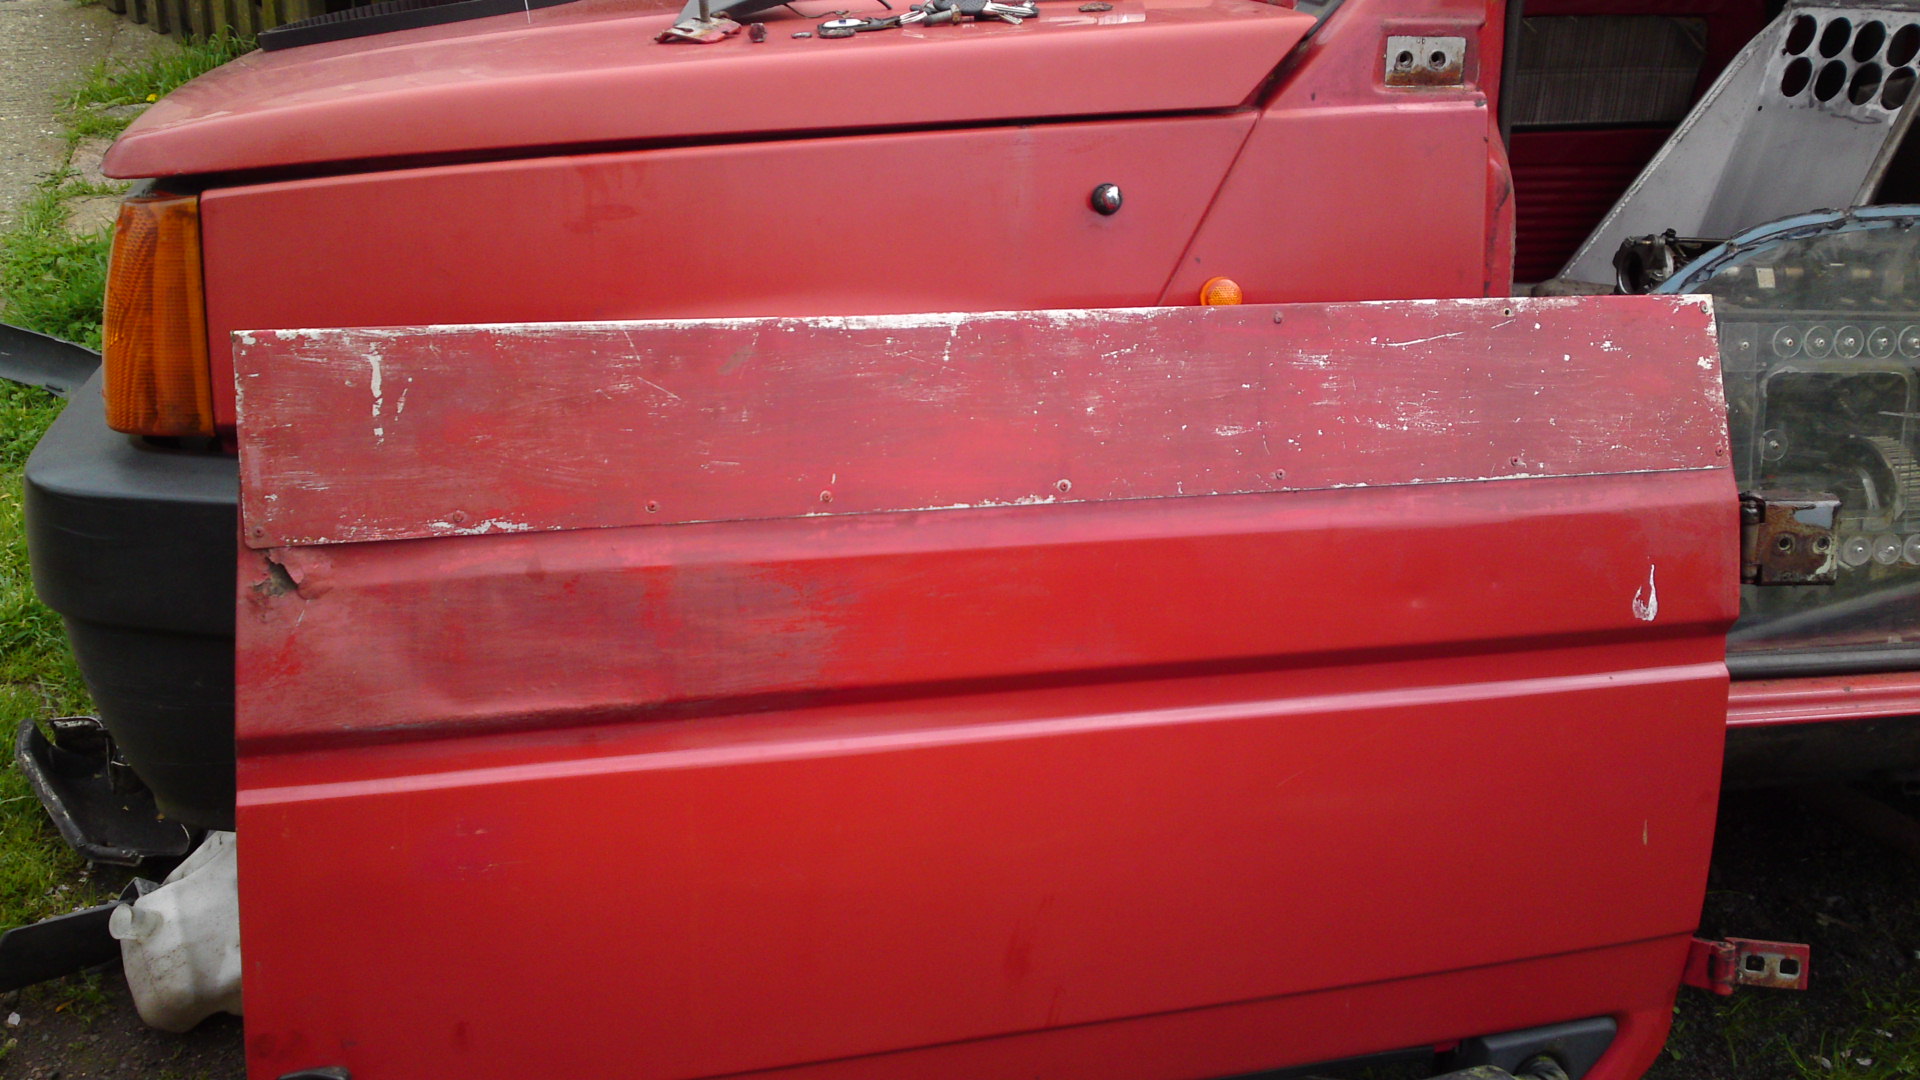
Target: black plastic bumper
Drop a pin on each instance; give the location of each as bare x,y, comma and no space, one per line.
134,546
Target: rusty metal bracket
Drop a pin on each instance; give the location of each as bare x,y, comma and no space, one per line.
1786,538
1417,62
1722,966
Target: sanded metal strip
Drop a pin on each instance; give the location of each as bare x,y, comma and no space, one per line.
378,434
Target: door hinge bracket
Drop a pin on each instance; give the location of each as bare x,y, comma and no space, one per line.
1786,538
1722,966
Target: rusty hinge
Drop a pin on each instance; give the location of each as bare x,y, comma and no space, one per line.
1720,966
1786,538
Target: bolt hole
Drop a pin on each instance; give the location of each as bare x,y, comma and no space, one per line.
1507,312
1756,963
1866,44
1800,35
1834,38
1784,543
1437,61
1866,84
1404,60
1831,80
1898,89
1795,79
1905,44
1789,967
1823,544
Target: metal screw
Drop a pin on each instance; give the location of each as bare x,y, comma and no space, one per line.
803,33
1063,486
1106,199
826,496
1279,318
652,507
458,517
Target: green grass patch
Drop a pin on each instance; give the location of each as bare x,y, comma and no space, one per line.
52,280
103,103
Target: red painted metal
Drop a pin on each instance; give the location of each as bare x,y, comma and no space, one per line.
812,227
656,423
1840,697
1724,966
1135,788
1374,192
591,74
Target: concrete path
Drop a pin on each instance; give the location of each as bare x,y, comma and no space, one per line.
45,47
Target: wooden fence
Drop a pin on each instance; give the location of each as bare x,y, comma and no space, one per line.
205,18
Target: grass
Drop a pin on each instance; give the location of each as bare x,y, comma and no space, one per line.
51,280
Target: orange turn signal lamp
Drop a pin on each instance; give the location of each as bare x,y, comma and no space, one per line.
1219,291
158,381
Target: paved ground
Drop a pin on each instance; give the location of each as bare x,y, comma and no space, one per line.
45,46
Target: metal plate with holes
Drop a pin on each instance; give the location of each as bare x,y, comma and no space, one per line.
1426,61
1804,117
1780,965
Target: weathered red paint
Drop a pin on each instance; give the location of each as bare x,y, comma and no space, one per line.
1723,966
588,74
1134,787
656,423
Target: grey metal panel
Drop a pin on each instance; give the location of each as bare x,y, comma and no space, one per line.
1750,152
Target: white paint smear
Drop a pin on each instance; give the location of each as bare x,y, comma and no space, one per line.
1646,600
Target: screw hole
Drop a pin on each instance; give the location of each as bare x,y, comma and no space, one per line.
826,496
1404,60
1784,543
1063,486
1756,963
1789,967
1437,60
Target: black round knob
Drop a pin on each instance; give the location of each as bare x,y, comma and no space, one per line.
1106,198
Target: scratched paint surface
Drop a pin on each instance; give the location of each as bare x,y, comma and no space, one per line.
392,433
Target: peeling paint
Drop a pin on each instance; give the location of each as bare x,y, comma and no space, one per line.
1646,600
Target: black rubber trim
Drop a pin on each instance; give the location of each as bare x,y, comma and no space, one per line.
387,16
45,362
135,547
127,534
1804,662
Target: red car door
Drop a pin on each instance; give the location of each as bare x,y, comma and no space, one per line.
1156,693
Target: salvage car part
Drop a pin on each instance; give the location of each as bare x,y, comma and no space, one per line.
1821,84
1819,328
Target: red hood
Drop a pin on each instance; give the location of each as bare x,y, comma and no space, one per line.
590,73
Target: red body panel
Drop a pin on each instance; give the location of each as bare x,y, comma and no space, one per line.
978,220
1837,697
591,74
1134,787
1364,191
